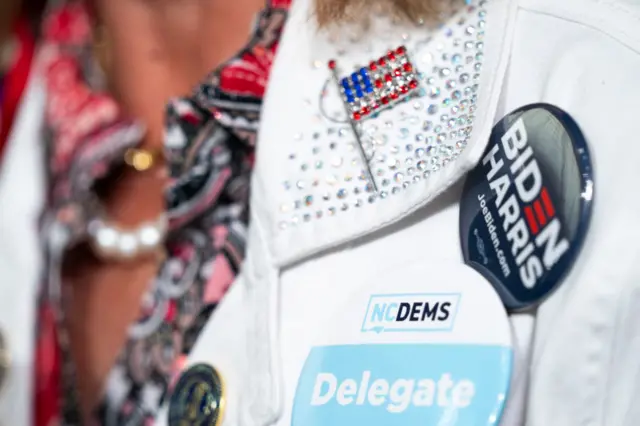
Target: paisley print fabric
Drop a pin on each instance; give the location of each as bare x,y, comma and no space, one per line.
209,144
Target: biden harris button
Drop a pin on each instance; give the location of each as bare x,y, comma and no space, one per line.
434,348
526,207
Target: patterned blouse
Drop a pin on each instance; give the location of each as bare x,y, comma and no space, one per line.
209,144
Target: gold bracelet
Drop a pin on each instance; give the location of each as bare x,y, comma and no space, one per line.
142,159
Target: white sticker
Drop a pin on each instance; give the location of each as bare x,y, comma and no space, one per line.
432,349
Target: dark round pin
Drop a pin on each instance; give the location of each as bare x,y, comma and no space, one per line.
198,398
526,207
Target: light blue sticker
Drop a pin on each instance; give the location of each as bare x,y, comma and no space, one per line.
403,384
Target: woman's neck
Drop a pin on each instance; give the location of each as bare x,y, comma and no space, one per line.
161,49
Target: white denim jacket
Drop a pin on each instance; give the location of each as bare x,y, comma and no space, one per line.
22,195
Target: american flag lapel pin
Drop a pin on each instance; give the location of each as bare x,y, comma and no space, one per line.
371,89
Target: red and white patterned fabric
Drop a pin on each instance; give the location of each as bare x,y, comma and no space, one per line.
209,143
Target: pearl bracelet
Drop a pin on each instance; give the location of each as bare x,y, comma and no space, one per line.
112,242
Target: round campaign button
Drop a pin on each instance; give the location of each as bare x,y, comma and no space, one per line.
421,345
526,207
198,398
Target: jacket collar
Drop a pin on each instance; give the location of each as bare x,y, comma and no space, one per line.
309,190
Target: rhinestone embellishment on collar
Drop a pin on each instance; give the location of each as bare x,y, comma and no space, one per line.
427,128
